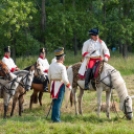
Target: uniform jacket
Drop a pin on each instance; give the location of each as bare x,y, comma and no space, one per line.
10,63
44,64
57,75
93,49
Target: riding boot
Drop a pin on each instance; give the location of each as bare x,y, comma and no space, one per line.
45,84
88,78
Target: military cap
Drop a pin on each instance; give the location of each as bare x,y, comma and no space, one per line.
59,51
7,49
42,50
94,31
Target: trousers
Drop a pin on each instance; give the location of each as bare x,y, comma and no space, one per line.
56,105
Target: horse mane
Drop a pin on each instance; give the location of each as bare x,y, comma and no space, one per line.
3,68
31,67
119,84
2,64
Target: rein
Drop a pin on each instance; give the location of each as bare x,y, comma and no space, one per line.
23,84
9,89
109,75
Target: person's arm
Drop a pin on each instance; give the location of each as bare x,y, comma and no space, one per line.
46,66
85,49
105,52
65,78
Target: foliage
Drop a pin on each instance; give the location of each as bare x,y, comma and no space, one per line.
65,21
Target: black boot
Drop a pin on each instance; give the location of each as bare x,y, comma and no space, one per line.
45,84
87,78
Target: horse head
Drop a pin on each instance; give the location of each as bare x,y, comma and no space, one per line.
4,71
28,79
127,108
38,71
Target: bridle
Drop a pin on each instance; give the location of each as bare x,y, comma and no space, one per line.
125,106
108,75
24,85
40,76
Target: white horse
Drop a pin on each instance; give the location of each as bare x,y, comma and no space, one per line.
29,75
8,88
109,79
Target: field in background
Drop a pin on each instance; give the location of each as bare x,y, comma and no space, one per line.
34,121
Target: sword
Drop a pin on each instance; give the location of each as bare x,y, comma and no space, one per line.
49,109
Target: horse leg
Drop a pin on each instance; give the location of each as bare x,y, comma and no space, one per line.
6,102
5,110
21,101
108,96
75,100
40,98
33,98
15,98
99,94
80,100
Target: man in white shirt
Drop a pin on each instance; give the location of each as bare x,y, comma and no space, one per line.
43,62
57,75
94,50
8,60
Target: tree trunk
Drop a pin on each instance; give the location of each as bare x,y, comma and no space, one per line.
43,22
75,44
125,52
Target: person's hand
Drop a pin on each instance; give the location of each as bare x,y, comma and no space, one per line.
17,69
87,56
105,59
69,86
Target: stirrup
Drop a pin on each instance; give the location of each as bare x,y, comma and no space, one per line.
46,89
86,88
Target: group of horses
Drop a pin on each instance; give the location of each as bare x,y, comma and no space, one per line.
108,79
14,85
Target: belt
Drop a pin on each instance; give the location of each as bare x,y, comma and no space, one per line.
56,80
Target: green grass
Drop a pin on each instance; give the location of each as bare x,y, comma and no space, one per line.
34,121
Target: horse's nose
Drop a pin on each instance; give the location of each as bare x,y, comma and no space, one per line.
129,116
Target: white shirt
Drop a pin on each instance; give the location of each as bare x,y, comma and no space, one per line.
43,63
9,62
98,47
58,71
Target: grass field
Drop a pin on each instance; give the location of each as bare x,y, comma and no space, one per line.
34,121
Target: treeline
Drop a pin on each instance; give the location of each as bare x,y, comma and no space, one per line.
27,25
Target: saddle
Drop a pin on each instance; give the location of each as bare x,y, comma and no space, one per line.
97,69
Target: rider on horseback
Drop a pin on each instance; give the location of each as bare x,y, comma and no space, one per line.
8,60
93,50
43,62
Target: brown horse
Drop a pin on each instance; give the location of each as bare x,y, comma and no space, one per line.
21,91
4,71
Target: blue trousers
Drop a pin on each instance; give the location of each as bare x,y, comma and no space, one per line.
55,116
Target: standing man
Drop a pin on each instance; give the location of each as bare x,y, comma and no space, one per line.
8,60
94,50
43,62
58,80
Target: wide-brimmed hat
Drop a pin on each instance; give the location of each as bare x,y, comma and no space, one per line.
42,50
7,49
59,51
94,31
